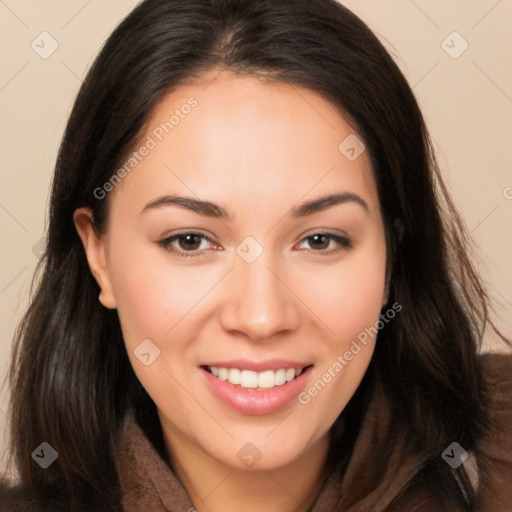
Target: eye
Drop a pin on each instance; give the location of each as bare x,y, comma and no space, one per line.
183,243
190,244
319,242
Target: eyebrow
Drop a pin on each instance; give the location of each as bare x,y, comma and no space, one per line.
206,208
210,209
322,203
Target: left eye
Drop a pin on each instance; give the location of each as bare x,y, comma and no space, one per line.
322,242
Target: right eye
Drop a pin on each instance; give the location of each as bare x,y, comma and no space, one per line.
186,244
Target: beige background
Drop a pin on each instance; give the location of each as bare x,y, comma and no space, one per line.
467,102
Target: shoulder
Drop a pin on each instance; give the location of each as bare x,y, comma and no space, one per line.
496,370
494,449
497,365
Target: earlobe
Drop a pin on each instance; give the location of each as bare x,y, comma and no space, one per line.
94,248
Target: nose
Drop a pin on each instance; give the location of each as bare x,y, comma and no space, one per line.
260,304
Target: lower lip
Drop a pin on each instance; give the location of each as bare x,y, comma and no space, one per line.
253,401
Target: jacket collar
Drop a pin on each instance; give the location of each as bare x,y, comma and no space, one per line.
370,481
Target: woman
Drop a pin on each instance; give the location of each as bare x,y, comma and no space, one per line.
256,293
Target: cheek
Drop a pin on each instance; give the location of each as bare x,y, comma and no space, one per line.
152,303
159,300
142,301
349,303
348,296
152,295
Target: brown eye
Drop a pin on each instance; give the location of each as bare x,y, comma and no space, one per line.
320,242
189,242
183,243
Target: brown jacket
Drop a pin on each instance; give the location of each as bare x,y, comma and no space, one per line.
370,482
149,484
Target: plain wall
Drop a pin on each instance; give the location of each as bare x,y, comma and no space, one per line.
466,99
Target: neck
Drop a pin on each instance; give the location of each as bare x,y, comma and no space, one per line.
213,486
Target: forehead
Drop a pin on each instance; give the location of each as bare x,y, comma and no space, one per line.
228,137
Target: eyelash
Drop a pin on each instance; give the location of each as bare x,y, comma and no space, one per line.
344,242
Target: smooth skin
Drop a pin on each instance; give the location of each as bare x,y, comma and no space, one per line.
259,150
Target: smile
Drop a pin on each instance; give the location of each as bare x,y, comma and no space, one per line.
256,388
255,380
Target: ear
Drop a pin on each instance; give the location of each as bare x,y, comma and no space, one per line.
95,252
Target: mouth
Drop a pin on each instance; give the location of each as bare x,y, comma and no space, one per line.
256,388
249,379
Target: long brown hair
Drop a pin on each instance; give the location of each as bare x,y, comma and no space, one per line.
71,380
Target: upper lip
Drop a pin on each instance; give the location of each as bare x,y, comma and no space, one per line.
258,366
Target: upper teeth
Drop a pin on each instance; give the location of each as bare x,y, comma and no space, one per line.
250,379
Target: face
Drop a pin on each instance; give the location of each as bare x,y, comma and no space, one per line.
245,244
